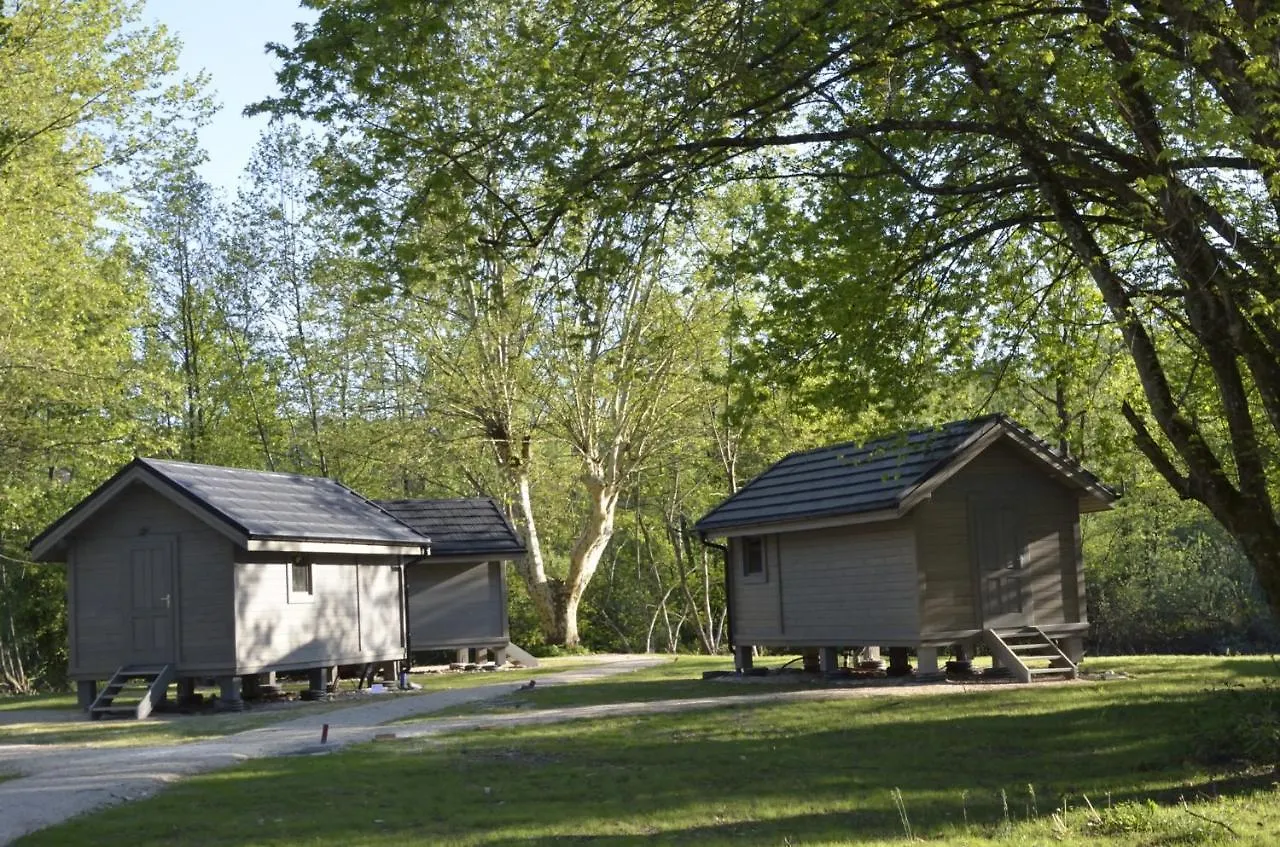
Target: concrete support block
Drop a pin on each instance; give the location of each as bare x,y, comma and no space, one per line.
186,690
812,659
828,659
871,654
251,686
1074,648
899,663
926,661
229,699
499,655
318,679
464,655
86,693
269,678
742,657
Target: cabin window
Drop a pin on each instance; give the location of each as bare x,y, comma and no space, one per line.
301,581
753,560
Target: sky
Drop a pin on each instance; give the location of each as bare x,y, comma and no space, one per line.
226,39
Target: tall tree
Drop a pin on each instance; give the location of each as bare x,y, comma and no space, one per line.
1137,142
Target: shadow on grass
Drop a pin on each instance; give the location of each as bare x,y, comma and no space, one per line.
759,773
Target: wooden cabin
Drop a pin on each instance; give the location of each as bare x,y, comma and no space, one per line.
457,597
178,571
941,538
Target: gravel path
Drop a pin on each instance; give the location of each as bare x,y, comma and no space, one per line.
59,781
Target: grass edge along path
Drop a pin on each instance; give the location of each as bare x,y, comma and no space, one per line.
993,766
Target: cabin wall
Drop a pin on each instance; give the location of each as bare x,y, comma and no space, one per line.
456,605
1048,521
756,601
354,614
101,590
841,586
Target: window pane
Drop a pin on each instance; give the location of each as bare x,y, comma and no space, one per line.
752,557
300,577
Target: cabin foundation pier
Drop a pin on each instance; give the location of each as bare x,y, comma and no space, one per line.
229,698
828,659
1074,648
899,663
742,658
86,693
186,690
927,661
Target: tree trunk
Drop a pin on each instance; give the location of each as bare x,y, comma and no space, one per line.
587,551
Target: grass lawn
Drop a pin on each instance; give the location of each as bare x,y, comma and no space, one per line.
17,703
1007,767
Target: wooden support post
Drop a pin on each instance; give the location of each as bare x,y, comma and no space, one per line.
316,679
186,690
899,665
1073,646
499,655
828,659
86,693
742,657
927,661
812,659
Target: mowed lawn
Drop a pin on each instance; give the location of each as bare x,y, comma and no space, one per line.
1129,761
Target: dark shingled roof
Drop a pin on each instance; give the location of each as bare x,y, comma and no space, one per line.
459,527
853,478
283,505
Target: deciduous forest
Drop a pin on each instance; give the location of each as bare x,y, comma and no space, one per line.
606,260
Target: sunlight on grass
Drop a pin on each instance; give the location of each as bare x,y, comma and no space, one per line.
14,703
1004,766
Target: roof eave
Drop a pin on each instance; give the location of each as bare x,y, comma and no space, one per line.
800,523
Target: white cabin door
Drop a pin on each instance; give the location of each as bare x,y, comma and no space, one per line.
152,601
1001,560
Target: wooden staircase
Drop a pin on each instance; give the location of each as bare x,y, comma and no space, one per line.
1028,653
141,687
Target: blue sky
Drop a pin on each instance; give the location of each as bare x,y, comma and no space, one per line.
226,39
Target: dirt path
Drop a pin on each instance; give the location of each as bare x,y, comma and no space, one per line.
60,781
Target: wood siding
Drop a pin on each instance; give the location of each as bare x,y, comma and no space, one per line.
101,585
456,605
843,586
756,611
1047,515
353,615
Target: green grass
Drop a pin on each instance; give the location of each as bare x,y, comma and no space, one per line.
991,766
15,703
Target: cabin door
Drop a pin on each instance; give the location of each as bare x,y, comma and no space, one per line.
1000,554
152,600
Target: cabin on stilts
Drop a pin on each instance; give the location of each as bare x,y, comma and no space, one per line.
950,537
178,572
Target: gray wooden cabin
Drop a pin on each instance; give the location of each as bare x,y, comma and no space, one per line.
457,598
947,537
183,571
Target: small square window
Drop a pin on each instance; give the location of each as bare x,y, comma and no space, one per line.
301,581
753,559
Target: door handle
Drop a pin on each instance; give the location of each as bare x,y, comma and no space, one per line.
165,600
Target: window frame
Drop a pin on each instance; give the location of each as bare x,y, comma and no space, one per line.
754,575
295,566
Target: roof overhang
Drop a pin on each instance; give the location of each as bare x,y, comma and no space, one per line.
46,546
345,548
802,524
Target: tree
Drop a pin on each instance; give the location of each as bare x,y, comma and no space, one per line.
82,92
1135,143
